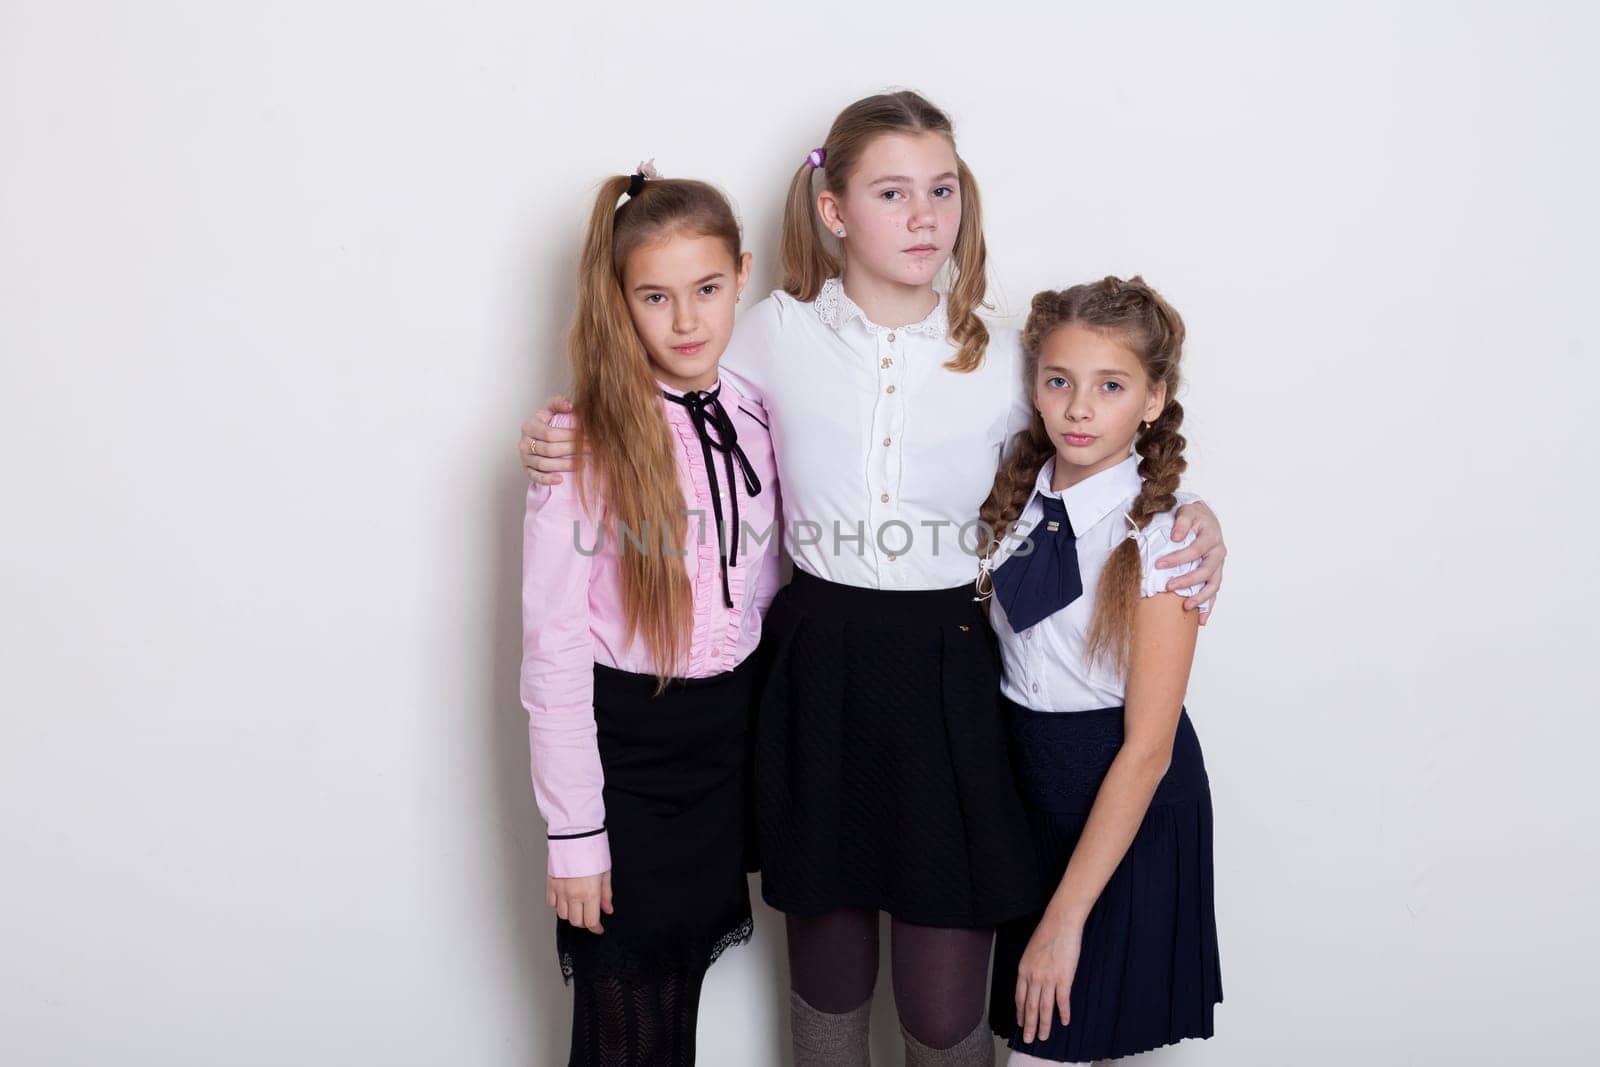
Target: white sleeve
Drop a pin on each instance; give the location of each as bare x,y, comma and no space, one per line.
1155,541
752,349
1019,416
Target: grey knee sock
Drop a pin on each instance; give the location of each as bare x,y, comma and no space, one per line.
974,1050
826,1039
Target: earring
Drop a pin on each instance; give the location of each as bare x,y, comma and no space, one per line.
840,231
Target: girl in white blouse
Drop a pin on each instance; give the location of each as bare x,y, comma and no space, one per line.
1096,658
880,756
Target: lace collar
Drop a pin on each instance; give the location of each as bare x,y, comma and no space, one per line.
835,309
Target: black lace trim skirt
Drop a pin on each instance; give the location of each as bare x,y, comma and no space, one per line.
1149,972
882,777
676,799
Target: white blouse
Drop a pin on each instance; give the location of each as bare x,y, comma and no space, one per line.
884,455
1045,666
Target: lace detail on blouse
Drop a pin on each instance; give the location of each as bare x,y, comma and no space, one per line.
835,309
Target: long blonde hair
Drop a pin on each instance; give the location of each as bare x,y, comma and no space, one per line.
617,404
806,259
1153,331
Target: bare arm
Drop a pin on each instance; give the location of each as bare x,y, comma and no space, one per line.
1163,651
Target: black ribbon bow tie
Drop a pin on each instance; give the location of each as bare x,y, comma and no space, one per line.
716,431
1036,586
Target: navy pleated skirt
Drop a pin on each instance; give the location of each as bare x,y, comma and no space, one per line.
1149,972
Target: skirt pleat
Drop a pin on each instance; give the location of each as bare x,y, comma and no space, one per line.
1149,970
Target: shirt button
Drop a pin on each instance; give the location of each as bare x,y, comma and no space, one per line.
884,498
887,362
891,557
886,442
1035,687
1027,635
890,389
891,338
716,650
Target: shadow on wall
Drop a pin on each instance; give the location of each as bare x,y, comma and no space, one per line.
528,920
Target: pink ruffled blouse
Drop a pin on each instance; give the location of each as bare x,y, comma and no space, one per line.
572,614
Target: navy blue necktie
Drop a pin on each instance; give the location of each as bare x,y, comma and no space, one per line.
1038,585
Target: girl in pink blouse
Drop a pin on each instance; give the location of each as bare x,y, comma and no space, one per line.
644,582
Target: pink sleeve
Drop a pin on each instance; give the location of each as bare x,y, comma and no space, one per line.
771,575
558,680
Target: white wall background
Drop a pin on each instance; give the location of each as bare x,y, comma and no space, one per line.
278,282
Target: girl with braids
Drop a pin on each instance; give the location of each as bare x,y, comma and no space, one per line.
1096,658
882,777
639,629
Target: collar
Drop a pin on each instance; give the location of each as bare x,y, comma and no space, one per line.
836,309
678,411
1096,496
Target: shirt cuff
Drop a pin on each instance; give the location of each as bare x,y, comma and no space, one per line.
579,857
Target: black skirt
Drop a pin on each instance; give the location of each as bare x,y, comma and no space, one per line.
676,775
1148,973
882,778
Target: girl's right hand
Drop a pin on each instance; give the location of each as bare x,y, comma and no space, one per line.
547,450
580,901
1045,975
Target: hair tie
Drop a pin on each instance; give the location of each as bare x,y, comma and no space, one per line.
817,157
1133,529
646,172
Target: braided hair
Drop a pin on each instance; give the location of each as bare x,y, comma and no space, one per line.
1154,332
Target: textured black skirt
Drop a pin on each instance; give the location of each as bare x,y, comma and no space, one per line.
882,778
1148,972
676,775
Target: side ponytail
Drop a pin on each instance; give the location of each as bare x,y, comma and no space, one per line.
969,277
805,260
806,255
617,406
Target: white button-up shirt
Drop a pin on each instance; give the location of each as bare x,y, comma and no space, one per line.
1046,667
884,455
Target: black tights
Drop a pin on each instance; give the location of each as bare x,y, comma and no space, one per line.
617,1023
941,976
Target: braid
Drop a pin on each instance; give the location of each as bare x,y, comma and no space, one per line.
1161,464
1013,484
1154,331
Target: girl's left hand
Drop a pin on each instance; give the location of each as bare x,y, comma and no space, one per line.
1044,977
1207,548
